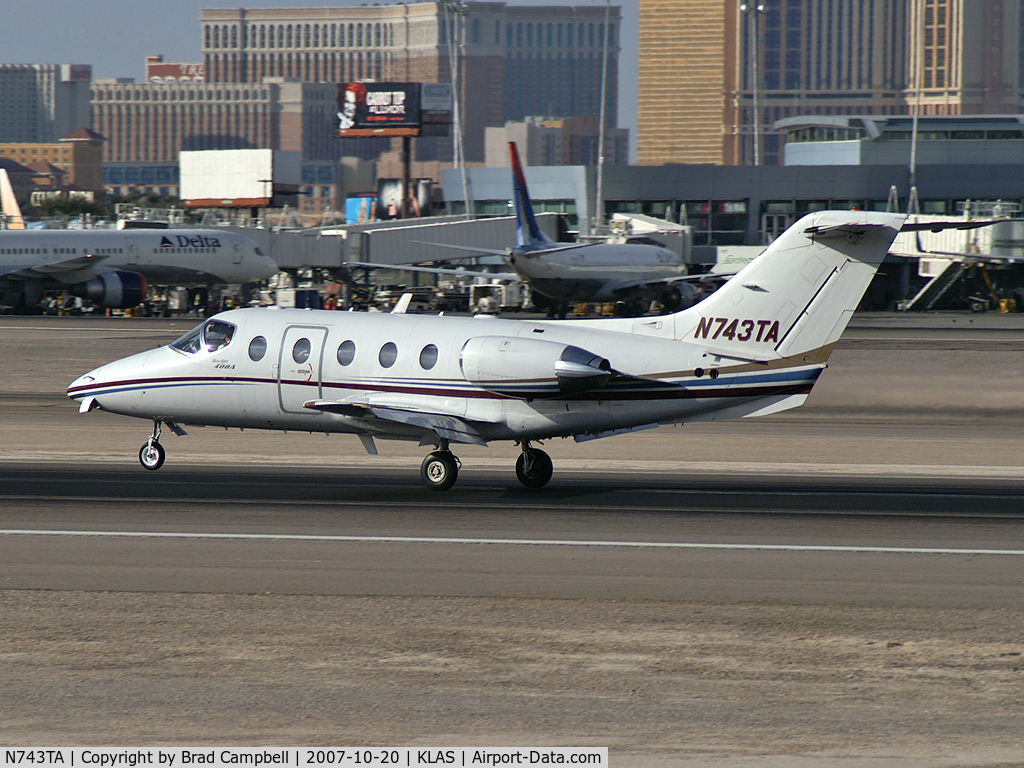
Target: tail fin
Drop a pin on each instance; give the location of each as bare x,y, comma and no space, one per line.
527,231
797,297
9,203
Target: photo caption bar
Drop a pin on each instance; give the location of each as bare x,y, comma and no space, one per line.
297,757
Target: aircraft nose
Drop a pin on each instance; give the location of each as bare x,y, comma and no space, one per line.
270,266
113,386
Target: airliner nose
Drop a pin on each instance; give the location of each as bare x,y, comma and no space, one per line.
270,265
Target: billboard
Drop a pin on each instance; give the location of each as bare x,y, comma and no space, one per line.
238,178
379,109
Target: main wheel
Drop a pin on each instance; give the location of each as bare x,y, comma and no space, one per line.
152,455
534,468
439,470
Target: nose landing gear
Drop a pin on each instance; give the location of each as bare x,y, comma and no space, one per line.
152,454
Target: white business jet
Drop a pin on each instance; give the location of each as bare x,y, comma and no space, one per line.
111,267
754,347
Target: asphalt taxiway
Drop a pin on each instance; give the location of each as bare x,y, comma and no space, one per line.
840,584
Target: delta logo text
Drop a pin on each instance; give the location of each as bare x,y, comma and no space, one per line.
181,241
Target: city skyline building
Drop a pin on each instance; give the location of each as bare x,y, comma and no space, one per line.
153,122
43,102
545,141
517,61
79,156
703,68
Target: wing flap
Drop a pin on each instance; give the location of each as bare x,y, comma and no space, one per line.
444,425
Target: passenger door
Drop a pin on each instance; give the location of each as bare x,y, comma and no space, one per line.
300,366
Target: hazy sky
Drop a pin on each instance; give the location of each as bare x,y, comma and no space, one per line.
115,36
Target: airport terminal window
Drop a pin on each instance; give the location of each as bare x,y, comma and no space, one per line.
428,357
301,350
257,349
347,352
388,355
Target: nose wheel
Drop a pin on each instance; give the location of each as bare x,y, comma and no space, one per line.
533,467
152,455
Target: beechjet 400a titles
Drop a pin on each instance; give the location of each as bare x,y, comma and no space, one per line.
755,347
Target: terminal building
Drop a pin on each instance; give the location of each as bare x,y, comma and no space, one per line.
831,162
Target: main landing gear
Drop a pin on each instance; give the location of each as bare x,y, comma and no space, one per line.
533,467
440,469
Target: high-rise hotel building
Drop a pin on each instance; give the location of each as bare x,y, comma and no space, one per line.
517,61
704,64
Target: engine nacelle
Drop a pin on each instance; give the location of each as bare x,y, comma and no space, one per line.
679,296
116,289
532,368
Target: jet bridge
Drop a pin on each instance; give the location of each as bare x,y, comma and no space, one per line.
946,257
394,242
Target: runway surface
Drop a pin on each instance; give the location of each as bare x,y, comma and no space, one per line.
298,531
838,585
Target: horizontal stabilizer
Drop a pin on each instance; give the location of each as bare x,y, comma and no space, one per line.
938,226
466,248
842,230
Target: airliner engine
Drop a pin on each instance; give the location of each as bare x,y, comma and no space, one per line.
532,368
116,289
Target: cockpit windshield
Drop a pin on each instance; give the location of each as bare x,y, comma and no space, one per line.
210,336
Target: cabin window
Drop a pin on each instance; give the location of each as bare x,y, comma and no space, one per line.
301,350
347,352
257,349
428,357
388,355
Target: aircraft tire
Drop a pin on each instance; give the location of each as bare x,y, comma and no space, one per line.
152,455
540,471
439,470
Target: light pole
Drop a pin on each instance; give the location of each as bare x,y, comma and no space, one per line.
598,217
456,52
756,10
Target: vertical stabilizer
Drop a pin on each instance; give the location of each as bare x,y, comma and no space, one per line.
9,203
796,298
527,232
